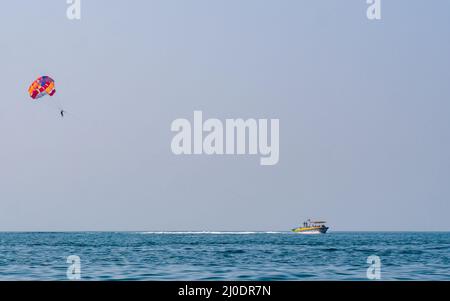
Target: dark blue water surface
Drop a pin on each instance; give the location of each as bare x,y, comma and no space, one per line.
225,255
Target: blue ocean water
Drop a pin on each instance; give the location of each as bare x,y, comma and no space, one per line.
225,255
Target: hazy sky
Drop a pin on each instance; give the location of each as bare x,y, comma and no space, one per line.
364,109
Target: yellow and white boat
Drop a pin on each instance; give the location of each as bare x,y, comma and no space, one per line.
312,227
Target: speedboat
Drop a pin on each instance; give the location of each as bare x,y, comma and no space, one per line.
312,227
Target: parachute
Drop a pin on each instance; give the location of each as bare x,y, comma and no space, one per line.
44,85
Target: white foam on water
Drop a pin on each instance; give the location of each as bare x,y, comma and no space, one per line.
212,232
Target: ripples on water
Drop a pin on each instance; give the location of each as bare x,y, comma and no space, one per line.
224,255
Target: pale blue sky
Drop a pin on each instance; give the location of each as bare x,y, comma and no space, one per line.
364,113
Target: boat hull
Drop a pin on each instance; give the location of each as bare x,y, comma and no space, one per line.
319,230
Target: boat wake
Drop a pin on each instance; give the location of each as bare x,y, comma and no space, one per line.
213,232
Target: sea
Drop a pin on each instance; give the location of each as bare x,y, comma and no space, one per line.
354,256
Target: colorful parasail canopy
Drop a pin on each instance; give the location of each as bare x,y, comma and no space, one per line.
44,85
